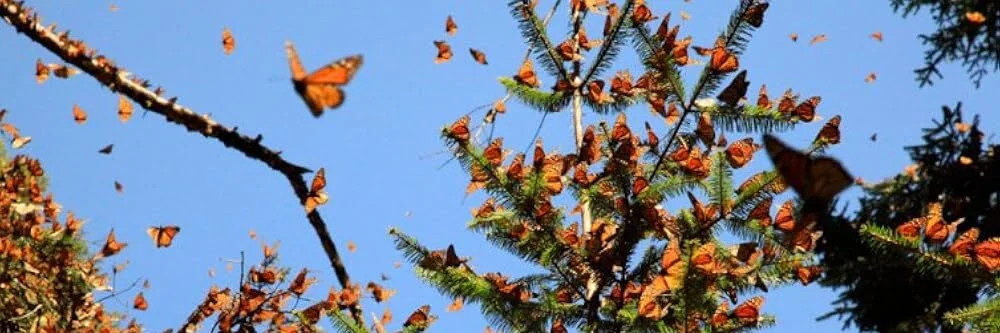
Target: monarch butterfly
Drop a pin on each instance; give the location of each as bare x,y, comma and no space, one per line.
301,282
818,39
420,318
808,274
111,245
755,15
444,52
722,60
877,36
740,152
79,115
763,101
380,293
321,89
642,14
965,243
621,84
478,56
456,304
450,27
316,196
830,133
41,71
749,311
988,254
814,179
163,236
124,109
139,303
526,75
228,41
735,90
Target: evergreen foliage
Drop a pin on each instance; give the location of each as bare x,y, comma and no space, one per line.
935,285
629,264
967,31
48,280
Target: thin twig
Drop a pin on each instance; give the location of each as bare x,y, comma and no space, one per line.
101,68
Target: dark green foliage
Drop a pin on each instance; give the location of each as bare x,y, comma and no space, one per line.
976,46
887,287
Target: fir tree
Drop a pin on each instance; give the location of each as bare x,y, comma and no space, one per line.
630,265
904,229
966,32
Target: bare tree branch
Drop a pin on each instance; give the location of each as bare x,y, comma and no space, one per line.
103,69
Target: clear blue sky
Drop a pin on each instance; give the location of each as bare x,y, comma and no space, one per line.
372,146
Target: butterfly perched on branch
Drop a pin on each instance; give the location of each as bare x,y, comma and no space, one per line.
321,89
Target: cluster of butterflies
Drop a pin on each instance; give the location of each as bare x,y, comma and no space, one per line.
934,230
444,53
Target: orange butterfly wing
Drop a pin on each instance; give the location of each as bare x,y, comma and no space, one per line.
79,116
163,236
812,178
988,254
140,302
320,89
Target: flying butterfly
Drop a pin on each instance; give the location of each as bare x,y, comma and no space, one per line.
79,116
478,56
450,27
124,109
877,36
228,41
444,52
736,89
139,303
163,236
816,179
321,89
818,39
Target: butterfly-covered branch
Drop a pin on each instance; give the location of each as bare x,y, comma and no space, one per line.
731,43
115,78
612,43
534,32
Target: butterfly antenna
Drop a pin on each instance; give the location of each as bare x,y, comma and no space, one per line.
453,157
537,130
439,152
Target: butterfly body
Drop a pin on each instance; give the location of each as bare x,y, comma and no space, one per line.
321,89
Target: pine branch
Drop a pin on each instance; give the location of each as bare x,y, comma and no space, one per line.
544,101
749,119
116,79
533,31
343,323
612,44
620,104
735,41
506,315
720,182
975,314
658,61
